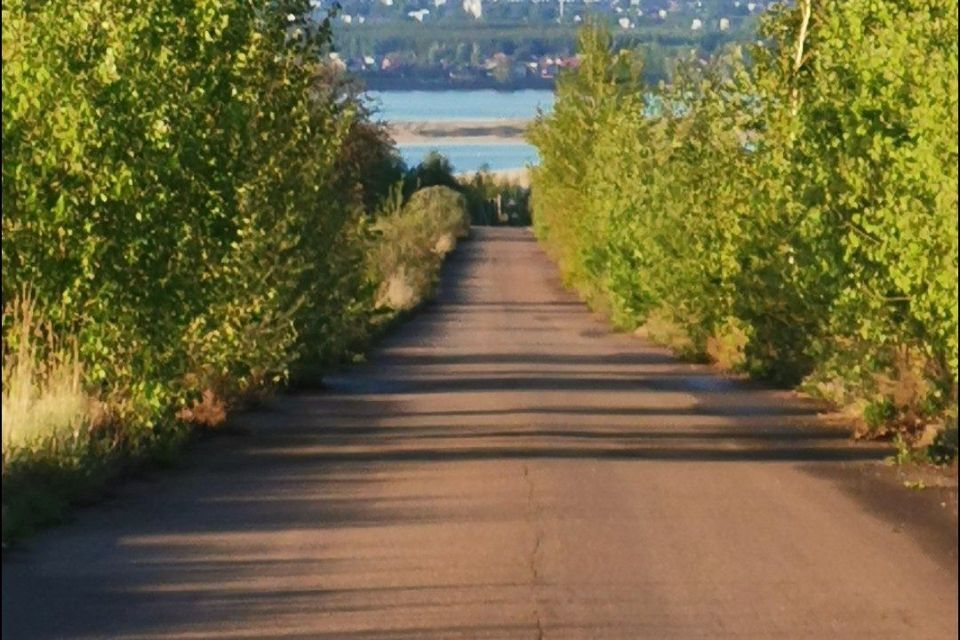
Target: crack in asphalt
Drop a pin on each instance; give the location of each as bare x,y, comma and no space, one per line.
533,513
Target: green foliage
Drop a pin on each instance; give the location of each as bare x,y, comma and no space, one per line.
435,170
490,199
187,197
448,50
168,188
943,450
493,200
791,209
413,240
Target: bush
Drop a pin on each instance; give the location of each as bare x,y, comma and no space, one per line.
790,210
413,240
187,193
493,200
434,171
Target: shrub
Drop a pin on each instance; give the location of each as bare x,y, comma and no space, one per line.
187,190
44,398
789,210
413,240
434,171
493,200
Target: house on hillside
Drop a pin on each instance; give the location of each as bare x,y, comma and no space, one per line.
474,8
499,59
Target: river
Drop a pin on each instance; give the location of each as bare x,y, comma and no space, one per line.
471,108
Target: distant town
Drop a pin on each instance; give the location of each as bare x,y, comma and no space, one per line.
520,43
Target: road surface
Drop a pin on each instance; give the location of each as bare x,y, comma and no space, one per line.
504,467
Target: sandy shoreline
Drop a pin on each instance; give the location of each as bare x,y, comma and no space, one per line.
460,132
466,132
520,177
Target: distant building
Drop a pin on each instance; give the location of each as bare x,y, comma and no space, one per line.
662,13
498,59
624,23
386,3
696,25
337,62
474,8
419,15
724,24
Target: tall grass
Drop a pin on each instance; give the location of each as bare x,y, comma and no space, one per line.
51,453
413,240
44,402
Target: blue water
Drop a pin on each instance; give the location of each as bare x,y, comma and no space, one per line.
479,105
440,106
467,158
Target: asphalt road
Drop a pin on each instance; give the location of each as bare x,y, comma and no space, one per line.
505,467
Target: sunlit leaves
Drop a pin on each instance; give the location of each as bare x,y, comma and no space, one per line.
815,205
171,190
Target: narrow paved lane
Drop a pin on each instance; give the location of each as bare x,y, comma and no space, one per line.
504,467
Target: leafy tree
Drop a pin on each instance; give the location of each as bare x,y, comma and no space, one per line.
435,170
789,210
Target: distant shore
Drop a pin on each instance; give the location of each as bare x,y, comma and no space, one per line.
376,82
460,132
520,177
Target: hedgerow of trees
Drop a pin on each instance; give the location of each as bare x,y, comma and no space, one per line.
789,210
171,190
432,50
190,203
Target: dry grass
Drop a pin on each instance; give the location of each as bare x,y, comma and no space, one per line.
906,383
726,348
414,238
399,291
208,412
445,244
43,394
662,329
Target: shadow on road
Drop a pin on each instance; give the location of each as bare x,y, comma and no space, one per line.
320,520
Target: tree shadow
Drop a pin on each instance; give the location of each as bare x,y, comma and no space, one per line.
246,538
